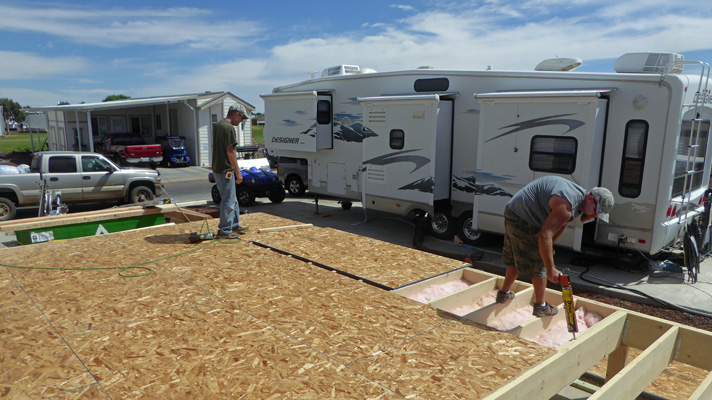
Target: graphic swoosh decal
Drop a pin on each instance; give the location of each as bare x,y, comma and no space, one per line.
400,156
539,122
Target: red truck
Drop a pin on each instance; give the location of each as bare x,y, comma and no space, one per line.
129,148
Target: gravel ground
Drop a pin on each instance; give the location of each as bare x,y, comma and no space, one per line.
680,317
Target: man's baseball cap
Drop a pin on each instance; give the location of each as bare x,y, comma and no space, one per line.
234,108
604,202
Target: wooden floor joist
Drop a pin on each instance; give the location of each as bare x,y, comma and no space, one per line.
229,319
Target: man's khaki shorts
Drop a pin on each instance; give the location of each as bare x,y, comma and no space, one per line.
521,247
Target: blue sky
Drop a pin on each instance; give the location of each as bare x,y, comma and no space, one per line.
82,51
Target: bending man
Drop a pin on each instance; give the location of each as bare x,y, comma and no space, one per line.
533,219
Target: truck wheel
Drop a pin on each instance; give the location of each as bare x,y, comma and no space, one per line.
277,194
139,194
7,209
215,194
467,234
295,186
442,225
245,197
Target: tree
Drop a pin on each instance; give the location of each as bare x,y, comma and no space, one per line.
11,110
115,97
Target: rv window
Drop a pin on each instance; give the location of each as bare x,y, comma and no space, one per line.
432,85
323,112
397,139
553,154
636,138
697,157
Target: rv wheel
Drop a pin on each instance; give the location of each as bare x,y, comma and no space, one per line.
442,225
467,234
277,194
215,194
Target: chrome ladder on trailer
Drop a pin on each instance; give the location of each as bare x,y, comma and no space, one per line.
701,97
688,239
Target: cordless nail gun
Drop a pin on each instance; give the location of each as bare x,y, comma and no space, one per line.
568,295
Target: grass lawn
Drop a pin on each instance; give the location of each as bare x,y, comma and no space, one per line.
258,134
20,141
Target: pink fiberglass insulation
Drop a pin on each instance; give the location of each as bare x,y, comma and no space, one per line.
515,318
437,291
481,302
559,334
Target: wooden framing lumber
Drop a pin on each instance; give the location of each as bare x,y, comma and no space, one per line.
92,216
285,228
636,376
617,361
494,311
704,391
573,359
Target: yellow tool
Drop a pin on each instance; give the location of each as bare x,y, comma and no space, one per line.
568,295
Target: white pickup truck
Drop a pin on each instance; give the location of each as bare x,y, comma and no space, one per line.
80,177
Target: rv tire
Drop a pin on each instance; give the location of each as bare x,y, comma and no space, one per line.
277,194
466,233
442,225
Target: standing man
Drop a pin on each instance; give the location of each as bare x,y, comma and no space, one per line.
533,219
226,173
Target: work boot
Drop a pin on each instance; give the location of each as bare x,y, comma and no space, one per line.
544,311
504,297
231,235
242,229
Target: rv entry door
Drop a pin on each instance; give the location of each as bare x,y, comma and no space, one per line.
407,162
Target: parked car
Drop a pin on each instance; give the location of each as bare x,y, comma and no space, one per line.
258,180
81,177
174,151
131,148
293,172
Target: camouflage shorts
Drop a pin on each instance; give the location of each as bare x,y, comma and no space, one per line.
521,247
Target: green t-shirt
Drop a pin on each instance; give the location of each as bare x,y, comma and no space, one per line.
223,136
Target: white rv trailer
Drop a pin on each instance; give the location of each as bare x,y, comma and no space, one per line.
458,144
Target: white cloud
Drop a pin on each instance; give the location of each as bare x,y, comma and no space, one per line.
18,65
403,7
119,27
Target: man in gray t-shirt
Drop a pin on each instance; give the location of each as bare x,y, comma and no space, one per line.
534,218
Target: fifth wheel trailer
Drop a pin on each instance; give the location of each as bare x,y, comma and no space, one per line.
456,145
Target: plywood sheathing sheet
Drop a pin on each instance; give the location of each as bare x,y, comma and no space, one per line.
228,319
390,265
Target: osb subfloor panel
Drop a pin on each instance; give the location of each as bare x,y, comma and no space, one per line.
230,320
390,265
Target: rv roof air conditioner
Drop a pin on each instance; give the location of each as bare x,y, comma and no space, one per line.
340,70
559,64
649,63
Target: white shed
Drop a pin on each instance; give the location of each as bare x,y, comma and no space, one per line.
189,115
